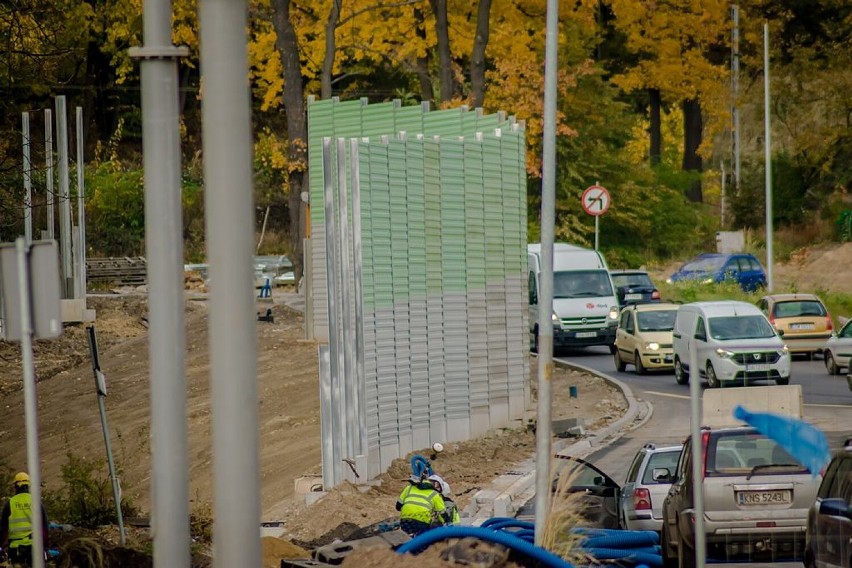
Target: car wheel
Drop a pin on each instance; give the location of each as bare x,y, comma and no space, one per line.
685,555
712,380
782,381
637,364
619,364
681,376
831,364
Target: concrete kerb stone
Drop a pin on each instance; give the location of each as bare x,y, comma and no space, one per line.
508,492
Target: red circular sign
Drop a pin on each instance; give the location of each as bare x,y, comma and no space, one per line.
596,200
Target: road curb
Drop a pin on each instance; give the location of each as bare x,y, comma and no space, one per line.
507,493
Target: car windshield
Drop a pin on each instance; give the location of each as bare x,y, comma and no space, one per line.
581,284
631,280
740,327
799,308
656,320
667,460
704,264
739,452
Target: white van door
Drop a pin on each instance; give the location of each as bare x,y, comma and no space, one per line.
533,298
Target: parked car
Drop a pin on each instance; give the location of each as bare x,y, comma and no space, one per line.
734,342
644,337
837,351
802,319
829,531
646,486
633,286
710,268
756,498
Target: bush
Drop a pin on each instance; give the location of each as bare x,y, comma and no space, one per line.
86,498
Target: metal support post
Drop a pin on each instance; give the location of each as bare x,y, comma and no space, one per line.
48,158
30,400
81,209
349,376
229,212
64,198
164,246
697,457
735,84
28,179
768,150
545,327
361,390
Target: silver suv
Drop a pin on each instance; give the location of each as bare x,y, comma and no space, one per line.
829,539
756,499
646,486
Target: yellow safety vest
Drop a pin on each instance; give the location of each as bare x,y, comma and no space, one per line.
420,504
20,520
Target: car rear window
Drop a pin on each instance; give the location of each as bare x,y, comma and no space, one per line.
635,279
798,308
659,460
741,453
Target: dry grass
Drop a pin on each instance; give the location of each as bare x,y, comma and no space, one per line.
565,513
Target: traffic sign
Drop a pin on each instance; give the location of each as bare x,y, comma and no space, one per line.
596,200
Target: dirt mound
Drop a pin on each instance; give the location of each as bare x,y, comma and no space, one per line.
810,270
274,550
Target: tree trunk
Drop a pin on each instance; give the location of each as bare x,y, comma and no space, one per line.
426,89
330,48
442,30
477,60
297,131
692,127
654,105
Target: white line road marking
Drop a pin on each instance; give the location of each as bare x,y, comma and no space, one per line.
846,406
683,396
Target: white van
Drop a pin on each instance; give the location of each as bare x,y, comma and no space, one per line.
734,342
585,309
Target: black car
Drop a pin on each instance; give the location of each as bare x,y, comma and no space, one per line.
634,287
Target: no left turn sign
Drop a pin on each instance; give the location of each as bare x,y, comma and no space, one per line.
596,200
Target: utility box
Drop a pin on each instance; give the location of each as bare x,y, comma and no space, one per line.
728,242
718,404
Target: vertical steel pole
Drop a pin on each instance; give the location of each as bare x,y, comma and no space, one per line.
361,391
545,326
597,230
48,158
768,149
334,346
722,205
28,179
81,209
64,200
30,400
697,455
327,448
735,80
348,375
226,114
164,247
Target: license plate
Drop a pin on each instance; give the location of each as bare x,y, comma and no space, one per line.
779,497
633,296
758,367
801,326
586,334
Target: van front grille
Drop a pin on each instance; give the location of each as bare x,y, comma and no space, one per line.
756,358
595,322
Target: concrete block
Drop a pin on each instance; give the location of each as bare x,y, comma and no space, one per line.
311,498
75,311
335,553
718,404
564,424
573,432
501,506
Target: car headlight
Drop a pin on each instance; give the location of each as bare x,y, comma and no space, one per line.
668,280
707,281
784,351
613,313
555,320
653,346
724,353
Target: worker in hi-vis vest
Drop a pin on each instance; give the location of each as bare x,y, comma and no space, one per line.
16,526
420,507
442,487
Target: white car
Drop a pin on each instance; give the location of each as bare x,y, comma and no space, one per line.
838,350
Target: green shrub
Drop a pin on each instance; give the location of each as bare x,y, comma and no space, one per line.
85,499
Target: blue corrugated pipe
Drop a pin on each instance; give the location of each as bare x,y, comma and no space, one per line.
420,466
626,539
547,558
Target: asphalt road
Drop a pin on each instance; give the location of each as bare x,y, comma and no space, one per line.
828,404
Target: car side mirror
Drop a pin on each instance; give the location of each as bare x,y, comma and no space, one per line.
661,474
599,480
834,508
780,333
676,334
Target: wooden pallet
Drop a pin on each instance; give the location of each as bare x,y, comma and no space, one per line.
124,271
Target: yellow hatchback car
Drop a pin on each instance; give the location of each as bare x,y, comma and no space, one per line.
802,319
644,337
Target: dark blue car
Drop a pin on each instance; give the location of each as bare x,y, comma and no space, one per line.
711,268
